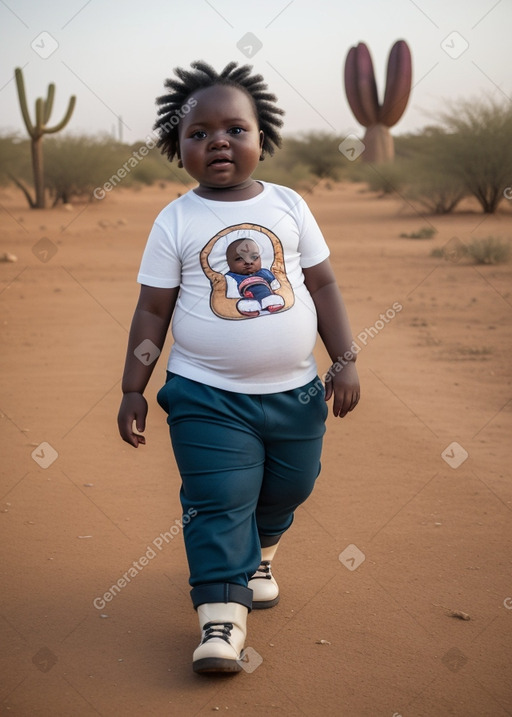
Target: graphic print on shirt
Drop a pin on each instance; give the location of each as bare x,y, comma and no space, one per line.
246,269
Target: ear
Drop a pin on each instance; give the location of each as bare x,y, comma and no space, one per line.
262,139
178,154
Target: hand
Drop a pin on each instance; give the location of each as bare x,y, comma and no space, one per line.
134,407
344,384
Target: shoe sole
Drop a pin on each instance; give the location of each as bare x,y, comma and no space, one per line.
264,604
216,664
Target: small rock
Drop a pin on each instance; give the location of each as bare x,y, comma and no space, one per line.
458,613
322,642
8,257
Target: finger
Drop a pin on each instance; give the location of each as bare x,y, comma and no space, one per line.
337,406
328,390
343,404
355,401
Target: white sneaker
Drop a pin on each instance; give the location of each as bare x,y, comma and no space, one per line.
224,627
265,590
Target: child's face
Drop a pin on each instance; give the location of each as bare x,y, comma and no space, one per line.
243,257
220,140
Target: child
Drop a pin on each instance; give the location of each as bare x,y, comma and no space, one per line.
253,283
245,406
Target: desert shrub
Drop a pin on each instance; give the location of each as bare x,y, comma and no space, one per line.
423,233
386,178
490,250
478,148
14,159
437,193
317,151
154,168
76,164
430,183
273,171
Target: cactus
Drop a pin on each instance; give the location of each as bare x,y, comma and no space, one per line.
38,129
361,91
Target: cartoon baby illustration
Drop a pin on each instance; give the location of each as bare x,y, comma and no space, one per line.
247,279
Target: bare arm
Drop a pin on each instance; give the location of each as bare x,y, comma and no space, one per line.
334,329
147,335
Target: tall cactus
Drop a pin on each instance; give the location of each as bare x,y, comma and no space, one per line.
38,129
361,91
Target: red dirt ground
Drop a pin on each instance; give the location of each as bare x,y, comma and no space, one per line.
420,535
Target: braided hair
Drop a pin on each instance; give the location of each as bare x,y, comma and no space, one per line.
173,106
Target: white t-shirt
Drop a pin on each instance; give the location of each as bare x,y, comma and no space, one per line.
248,334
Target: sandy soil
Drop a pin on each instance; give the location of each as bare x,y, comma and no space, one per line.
410,520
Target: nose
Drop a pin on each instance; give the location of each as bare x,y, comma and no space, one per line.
219,140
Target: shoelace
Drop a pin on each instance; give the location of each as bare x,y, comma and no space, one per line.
265,569
221,630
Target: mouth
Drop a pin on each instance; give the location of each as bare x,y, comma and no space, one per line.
221,161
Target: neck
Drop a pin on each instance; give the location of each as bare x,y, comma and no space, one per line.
245,190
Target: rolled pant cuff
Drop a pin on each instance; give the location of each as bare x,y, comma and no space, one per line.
266,541
221,592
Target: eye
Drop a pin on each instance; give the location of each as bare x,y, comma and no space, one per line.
236,130
198,134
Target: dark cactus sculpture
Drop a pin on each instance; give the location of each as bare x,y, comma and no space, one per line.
361,90
38,129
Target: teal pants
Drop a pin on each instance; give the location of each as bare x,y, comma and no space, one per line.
246,462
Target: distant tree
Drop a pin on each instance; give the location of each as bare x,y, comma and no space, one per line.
431,181
478,148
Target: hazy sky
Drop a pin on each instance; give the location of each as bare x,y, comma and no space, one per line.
114,54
